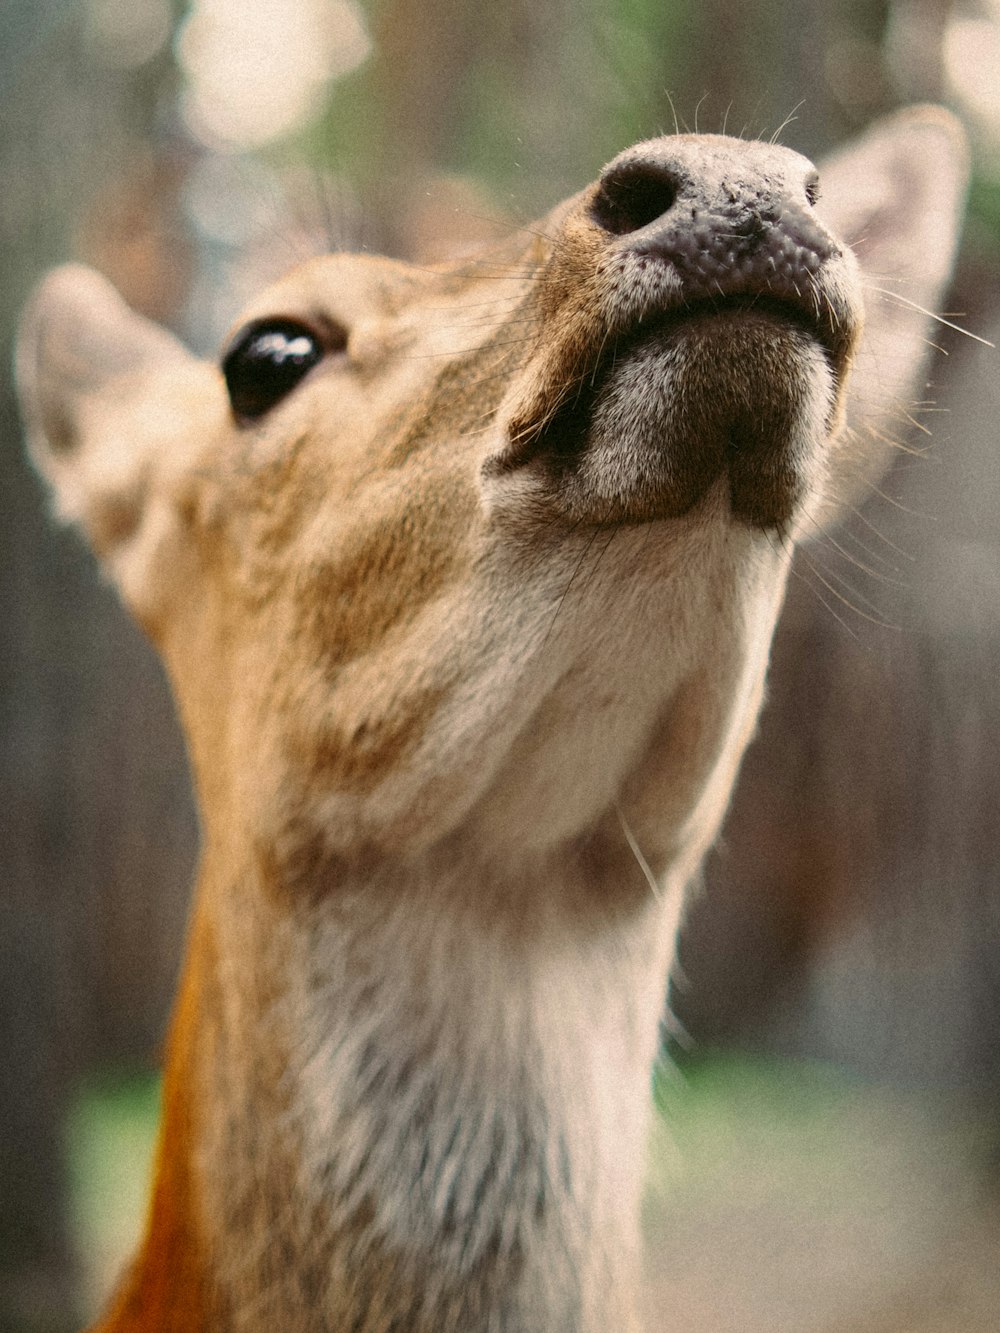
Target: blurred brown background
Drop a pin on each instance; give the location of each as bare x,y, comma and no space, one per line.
189,151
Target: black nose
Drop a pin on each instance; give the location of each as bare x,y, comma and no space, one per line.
723,224
631,195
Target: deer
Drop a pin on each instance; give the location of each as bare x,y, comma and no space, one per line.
465,577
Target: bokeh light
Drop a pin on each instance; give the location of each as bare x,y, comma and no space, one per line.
972,63
258,70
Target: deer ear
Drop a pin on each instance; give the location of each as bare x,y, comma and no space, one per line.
896,195
106,398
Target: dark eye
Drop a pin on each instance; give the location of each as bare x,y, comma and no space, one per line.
267,360
812,188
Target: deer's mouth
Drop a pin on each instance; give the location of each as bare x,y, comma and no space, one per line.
820,322
743,387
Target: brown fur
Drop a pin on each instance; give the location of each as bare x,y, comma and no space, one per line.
468,634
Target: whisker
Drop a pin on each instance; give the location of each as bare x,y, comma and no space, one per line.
900,445
897,504
467,351
879,574
796,573
940,319
887,541
569,584
636,851
789,120
917,425
851,594
505,224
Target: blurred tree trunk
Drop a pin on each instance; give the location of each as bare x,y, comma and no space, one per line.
98,828
39,1019
96,821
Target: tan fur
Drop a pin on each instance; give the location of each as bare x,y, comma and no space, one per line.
479,609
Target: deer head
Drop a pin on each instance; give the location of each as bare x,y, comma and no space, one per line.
465,580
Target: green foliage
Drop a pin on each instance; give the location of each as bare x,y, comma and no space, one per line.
984,205
111,1135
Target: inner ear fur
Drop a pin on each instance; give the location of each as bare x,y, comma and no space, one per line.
897,196
77,337
114,406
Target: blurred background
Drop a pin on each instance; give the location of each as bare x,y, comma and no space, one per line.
836,1037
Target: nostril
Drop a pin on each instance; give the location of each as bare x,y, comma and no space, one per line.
812,188
633,195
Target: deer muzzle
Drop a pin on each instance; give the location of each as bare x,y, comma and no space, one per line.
698,323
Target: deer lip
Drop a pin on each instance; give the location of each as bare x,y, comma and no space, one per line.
826,331
561,433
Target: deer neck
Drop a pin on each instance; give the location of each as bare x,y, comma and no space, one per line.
451,1142
413,1086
